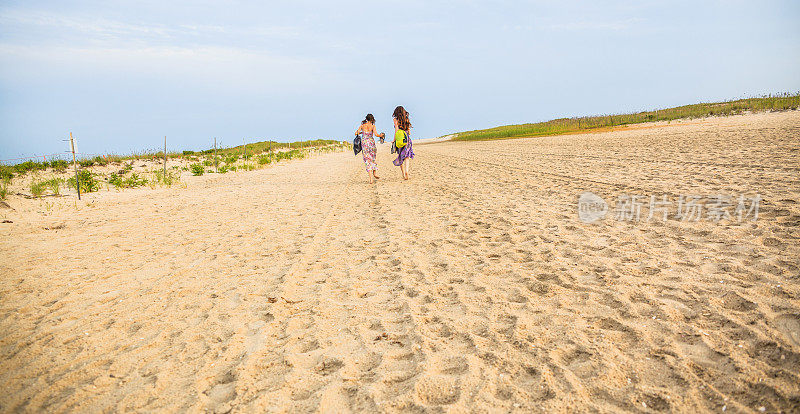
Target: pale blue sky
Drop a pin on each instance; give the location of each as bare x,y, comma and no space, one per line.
121,75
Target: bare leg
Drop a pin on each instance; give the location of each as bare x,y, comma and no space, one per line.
407,162
369,173
375,174
403,170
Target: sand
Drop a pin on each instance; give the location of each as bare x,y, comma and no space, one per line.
472,287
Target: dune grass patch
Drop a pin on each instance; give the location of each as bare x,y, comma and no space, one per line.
87,180
197,169
559,126
5,182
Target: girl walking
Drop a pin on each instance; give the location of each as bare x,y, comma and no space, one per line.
368,148
402,125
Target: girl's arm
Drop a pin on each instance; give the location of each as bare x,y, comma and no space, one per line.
375,131
359,129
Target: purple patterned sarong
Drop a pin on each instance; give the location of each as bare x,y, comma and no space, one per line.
405,152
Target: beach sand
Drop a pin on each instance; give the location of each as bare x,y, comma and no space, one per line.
472,287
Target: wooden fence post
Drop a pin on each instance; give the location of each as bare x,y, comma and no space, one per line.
75,163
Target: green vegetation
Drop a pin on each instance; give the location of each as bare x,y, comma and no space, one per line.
98,160
269,146
570,125
258,155
59,166
228,155
6,172
120,181
171,177
87,180
37,188
116,180
4,183
54,184
197,169
288,155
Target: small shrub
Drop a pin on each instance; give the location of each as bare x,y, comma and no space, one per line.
4,183
208,163
116,180
116,159
27,166
86,163
54,184
223,169
6,172
188,152
37,188
100,160
87,181
265,159
167,179
197,169
134,181
59,166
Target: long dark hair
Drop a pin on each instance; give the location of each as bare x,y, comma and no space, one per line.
369,118
403,121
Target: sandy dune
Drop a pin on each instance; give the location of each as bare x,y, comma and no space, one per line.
472,287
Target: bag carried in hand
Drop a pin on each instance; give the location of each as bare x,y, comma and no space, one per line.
400,138
357,145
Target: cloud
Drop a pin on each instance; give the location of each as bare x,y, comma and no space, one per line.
114,30
212,66
594,25
33,44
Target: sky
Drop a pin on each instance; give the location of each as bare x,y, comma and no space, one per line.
121,75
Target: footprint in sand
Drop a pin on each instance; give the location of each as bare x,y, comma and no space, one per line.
789,326
436,390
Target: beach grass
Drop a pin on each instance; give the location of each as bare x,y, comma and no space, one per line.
5,182
780,102
37,188
228,155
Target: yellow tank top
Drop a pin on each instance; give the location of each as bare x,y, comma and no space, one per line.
400,138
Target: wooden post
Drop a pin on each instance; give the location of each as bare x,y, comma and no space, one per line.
75,163
165,158
215,155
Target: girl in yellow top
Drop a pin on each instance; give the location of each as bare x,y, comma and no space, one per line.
402,125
